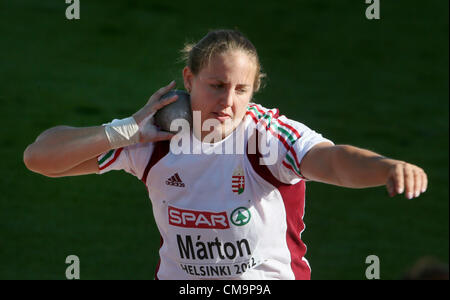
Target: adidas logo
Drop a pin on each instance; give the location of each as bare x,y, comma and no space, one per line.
175,180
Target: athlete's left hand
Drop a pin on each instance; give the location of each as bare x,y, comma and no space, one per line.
407,178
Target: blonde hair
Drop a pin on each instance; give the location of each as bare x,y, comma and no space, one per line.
197,56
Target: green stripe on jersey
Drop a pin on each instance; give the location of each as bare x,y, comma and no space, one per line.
282,129
285,132
107,155
292,163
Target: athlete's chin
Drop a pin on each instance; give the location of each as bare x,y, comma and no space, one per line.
220,132
216,129
217,134
226,128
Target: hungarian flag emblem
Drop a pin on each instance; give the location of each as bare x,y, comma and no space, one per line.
238,181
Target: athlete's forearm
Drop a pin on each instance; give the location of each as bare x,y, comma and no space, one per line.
360,168
353,167
61,148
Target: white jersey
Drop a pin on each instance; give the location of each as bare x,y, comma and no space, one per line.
227,216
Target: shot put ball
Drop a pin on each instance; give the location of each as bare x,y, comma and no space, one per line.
180,109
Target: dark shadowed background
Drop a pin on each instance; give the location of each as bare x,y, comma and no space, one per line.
378,84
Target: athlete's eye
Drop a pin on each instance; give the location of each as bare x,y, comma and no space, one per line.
242,91
217,86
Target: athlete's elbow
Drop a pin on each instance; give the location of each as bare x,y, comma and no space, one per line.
42,156
28,158
33,161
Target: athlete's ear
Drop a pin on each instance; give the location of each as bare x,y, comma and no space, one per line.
187,78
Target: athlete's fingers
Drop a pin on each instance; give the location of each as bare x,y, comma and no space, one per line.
162,91
164,102
163,135
146,112
158,106
398,179
417,182
407,178
421,182
390,186
424,182
409,181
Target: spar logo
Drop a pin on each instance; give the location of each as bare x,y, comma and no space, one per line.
240,216
198,219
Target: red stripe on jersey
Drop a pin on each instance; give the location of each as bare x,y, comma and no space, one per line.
292,169
276,115
159,151
116,155
295,158
294,202
297,134
290,127
252,115
258,109
280,137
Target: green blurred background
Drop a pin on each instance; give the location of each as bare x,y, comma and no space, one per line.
378,84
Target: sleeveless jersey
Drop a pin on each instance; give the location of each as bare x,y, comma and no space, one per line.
227,210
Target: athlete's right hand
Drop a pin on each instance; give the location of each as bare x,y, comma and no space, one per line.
148,132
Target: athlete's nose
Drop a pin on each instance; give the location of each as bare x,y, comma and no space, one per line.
227,98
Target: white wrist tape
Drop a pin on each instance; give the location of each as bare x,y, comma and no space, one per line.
122,133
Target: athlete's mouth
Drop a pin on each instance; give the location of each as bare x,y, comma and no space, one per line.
221,116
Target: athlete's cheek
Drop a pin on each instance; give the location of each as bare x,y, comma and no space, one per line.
240,111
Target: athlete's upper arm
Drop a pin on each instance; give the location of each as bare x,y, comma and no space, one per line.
88,167
317,164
